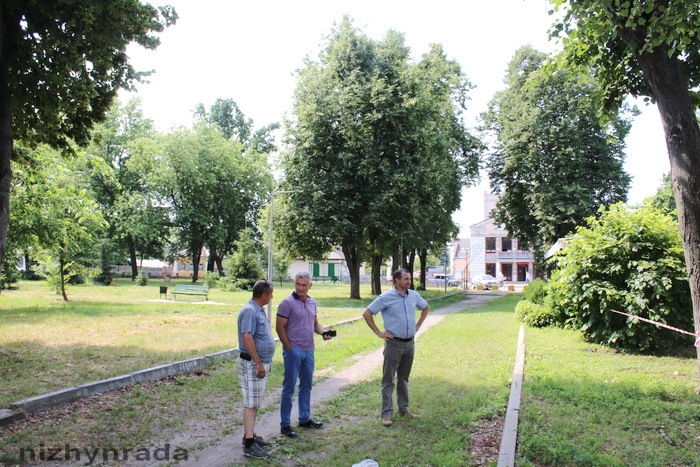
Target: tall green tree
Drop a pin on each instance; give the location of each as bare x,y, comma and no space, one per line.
553,163
213,188
137,222
225,115
649,48
368,127
60,219
61,64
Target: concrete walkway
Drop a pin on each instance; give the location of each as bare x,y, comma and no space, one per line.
228,450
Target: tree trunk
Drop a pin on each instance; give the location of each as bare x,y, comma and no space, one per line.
395,260
410,265
62,266
132,257
9,32
423,255
220,266
354,261
196,256
211,260
670,89
377,261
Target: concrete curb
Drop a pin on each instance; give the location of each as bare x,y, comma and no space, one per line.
18,410
506,453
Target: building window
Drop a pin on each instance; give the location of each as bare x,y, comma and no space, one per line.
491,269
506,244
490,244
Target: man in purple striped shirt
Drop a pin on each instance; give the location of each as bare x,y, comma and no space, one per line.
296,324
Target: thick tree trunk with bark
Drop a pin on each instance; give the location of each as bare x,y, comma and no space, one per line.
670,89
353,260
132,257
377,261
423,256
9,31
196,256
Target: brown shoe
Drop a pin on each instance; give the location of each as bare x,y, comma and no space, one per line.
387,421
409,414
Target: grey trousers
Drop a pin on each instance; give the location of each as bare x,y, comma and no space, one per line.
398,360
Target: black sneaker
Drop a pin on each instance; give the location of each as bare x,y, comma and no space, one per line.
259,441
288,432
256,452
311,424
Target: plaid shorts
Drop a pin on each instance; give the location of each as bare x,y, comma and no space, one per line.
253,388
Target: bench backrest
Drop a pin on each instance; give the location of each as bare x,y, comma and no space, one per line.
193,288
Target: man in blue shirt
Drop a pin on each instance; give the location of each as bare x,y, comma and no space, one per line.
256,346
398,308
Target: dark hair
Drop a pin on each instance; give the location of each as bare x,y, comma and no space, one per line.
261,287
398,273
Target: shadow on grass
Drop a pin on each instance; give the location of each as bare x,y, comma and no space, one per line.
29,369
449,413
570,422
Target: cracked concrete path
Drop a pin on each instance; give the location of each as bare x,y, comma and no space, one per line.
228,450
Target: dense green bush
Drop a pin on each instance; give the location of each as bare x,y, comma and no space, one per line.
536,291
630,260
537,314
212,279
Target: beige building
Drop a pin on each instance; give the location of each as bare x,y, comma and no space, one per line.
492,251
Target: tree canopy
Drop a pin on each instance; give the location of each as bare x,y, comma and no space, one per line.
376,145
61,64
554,162
648,48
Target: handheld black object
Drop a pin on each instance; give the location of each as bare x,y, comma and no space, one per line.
330,333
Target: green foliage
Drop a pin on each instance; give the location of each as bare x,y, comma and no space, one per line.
612,38
142,279
58,217
243,267
10,275
374,136
211,278
554,162
629,260
537,315
536,291
663,200
66,71
214,187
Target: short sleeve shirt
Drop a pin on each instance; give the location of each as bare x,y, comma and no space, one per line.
252,319
300,315
398,311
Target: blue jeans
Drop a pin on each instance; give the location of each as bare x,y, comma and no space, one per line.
298,364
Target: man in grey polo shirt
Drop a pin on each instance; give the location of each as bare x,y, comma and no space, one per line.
257,346
398,308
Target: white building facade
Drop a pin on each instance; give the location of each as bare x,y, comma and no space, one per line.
492,251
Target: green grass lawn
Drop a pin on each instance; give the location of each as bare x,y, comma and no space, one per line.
583,404
47,344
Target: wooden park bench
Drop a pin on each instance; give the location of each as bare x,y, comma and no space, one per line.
190,289
332,279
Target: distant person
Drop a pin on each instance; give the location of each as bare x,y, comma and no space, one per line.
501,279
296,324
257,346
528,278
398,308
